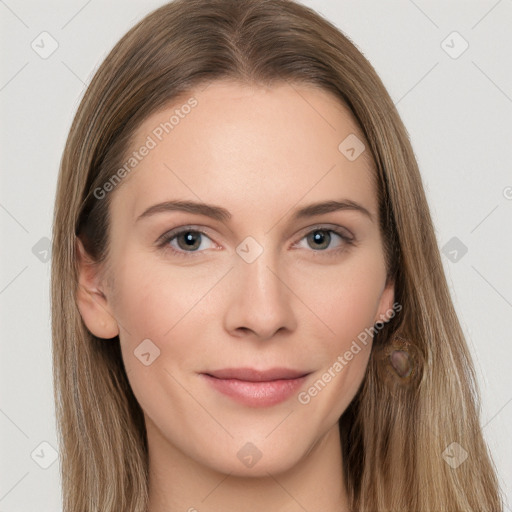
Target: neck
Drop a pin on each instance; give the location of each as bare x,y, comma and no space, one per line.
178,483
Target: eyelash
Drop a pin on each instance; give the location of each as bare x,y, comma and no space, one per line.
166,238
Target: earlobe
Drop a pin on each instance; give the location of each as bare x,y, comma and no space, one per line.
91,301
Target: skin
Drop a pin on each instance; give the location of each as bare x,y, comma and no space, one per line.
260,153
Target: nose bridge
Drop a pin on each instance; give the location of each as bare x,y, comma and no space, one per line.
258,269
261,300
261,274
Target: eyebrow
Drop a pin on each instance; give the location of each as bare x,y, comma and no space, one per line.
223,215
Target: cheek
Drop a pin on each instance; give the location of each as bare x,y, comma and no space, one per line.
173,307
345,298
348,311
153,297
346,303
165,305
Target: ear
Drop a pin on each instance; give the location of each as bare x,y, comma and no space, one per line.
92,302
386,310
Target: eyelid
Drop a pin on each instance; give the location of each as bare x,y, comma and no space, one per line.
340,230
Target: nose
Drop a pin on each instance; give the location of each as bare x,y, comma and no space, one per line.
261,303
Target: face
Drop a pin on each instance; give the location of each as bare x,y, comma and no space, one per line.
237,321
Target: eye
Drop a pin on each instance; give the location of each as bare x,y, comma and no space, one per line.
192,241
321,238
185,240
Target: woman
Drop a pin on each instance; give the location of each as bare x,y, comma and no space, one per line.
249,307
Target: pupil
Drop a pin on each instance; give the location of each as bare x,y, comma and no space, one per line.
190,243
319,236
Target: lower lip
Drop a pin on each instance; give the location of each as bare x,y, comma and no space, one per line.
256,394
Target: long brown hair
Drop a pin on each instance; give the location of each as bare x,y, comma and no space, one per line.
398,427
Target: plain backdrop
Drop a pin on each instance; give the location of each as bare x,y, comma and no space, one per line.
447,66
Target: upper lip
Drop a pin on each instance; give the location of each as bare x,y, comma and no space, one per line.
253,375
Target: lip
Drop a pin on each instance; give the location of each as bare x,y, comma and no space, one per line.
256,388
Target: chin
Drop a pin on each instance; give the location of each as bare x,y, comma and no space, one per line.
261,469
258,459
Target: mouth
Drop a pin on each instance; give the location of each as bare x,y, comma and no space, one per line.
256,388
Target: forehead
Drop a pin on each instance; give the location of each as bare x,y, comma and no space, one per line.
247,147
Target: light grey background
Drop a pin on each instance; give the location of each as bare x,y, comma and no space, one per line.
458,112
